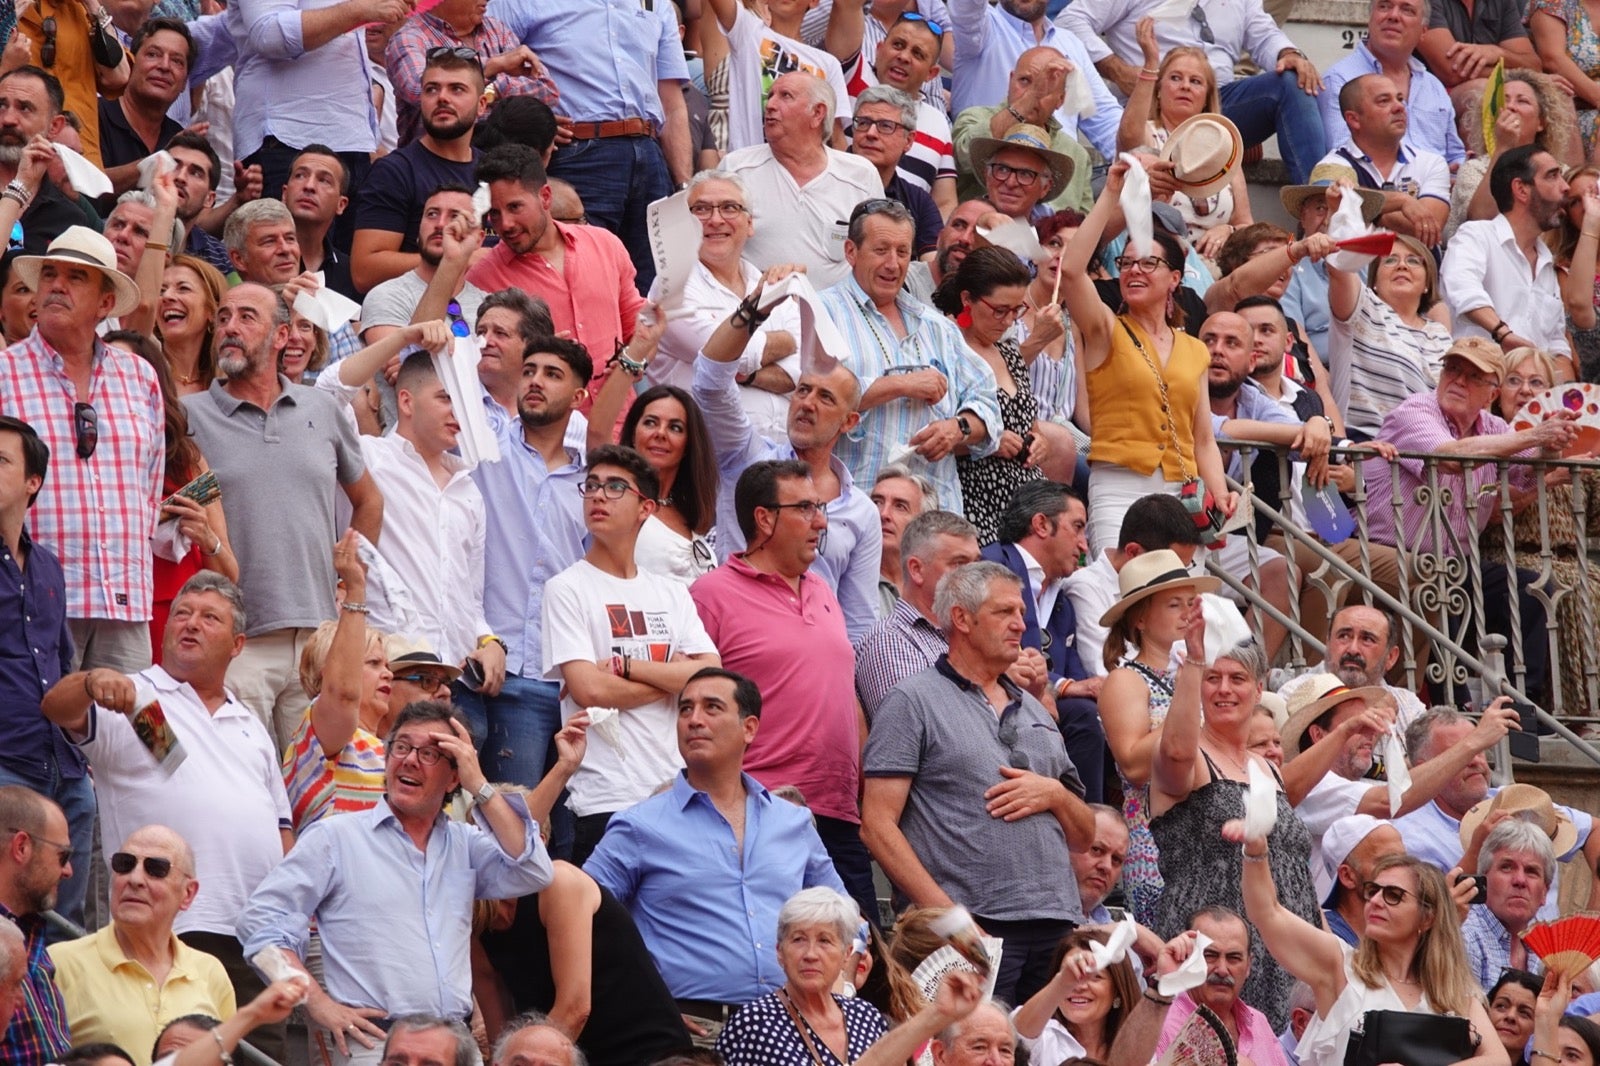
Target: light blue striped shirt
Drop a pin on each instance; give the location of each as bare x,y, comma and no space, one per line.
1430,118
931,341
853,547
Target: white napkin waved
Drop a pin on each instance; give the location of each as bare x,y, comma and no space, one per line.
1395,769
1192,974
1226,628
1115,949
603,720
88,179
1260,803
1135,201
1346,223
1018,238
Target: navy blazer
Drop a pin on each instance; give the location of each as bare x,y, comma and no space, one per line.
1059,639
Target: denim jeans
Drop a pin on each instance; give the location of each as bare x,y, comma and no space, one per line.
75,797
1274,103
513,733
619,177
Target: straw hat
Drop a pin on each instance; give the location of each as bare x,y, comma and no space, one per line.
1323,175
82,246
1316,696
1149,573
1029,138
1529,803
405,652
1204,151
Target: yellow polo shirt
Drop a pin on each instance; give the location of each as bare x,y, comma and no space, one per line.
111,997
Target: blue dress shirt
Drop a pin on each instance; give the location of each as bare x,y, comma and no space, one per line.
396,923
35,652
709,915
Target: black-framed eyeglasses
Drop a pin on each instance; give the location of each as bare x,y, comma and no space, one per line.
47,51
422,680
456,51
614,488
1145,264
807,509
427,754
1008,737
1199,17
63,851
123,862
85,428
1393,895
1024,177
884,126
458,321
913,16
724,209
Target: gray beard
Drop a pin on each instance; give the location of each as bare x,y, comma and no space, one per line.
11,154
235,367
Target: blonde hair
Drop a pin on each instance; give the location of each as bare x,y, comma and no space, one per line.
314,656
1563,240
1213,102
1560,135
1509,361
1439,963
912,941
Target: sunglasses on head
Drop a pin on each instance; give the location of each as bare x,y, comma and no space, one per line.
456,51
123,863
912,16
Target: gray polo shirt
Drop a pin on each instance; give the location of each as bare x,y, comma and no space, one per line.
940,730
280,472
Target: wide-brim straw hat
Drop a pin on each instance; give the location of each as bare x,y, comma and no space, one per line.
1531,804
1149,573
404,652
1029,138
82,246
1204,151
1323,175
1316,696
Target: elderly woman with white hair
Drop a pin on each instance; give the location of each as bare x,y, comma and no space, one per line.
1517,861
807,1022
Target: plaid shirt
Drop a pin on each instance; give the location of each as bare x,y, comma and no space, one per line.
901,644
407,53
38,1032
97,514
1488,944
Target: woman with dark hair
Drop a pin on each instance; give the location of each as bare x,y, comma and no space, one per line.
17,309
1558,1037
1078,1013
1049,347
665,426
1149,412
985,296
1511,1008
205,527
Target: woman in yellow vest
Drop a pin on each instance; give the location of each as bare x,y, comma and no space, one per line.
1149,412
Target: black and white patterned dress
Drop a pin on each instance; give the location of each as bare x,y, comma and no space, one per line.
987,483
763,1034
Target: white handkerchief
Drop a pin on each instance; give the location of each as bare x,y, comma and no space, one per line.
1079,100
1018,238
274,966
1395,769
1135,201
1115,949
603,720
1192,974
901,455
1346,223
169,542
480,200
328,309
151,165
1260,803
820,342
457,368
88,179
1225,626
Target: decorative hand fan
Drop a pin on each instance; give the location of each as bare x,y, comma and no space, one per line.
1579,397
1568,945
1203,1041
1377,243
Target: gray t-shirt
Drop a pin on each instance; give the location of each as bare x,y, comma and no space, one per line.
279,471
392,303
942,732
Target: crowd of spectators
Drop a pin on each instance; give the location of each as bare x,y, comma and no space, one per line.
444,619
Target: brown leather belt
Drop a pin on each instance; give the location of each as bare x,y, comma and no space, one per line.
621,127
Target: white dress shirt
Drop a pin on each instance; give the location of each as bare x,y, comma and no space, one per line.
1239,28
433,538
1483,267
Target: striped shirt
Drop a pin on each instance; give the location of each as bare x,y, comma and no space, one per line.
932,152
38,1030
931,341
901,644
97,514
320,784
1377,360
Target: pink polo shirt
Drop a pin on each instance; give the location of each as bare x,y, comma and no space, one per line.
796,650
1257,1041
593,300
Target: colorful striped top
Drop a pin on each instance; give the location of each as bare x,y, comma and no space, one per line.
319,784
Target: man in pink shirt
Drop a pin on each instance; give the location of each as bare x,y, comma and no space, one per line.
761,608
582,272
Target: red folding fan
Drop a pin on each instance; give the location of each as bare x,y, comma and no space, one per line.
1379,243
1568,945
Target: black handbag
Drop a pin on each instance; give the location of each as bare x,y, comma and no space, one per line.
1410,1038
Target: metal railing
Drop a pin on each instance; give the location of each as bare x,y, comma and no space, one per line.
1535,542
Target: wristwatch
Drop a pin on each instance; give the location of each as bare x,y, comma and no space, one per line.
486,793
964,426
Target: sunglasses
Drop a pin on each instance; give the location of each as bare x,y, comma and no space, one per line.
85,429
63,851
912,16
123,863
458,321
1393,895
1008,737
423,680
1199,17
456,51
47,51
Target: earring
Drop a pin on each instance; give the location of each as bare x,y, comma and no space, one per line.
1116,1004
964,319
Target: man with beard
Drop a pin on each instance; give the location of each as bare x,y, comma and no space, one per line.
278,450
1363,646
317,192
955,241
31,101
99,409
822,408
35,860
535,530
391,199
582,272
198,174
1485,277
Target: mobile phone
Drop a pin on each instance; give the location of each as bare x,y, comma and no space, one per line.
1524,743
1482,881
472,674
